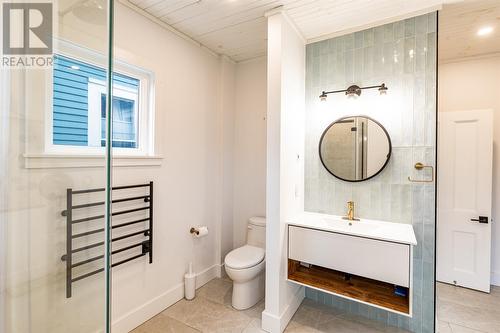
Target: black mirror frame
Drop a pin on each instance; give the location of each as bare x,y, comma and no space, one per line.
360,180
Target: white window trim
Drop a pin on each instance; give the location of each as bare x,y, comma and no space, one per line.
79,153
56,161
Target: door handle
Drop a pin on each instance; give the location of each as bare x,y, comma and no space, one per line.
481,219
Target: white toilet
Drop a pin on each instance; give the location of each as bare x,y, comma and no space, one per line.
245,266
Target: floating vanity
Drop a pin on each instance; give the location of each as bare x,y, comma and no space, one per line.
366,261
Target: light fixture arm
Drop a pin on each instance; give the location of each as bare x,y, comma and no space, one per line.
354,90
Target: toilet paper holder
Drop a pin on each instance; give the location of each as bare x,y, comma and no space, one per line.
199,231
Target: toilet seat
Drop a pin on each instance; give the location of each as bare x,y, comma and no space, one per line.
244,257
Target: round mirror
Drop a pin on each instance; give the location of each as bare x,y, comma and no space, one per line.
355,148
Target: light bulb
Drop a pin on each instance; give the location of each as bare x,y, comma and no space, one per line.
485,31
383,89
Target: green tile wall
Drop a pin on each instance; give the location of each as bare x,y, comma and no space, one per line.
403,55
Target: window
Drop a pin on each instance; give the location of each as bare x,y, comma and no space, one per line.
79,108
125,114
124,121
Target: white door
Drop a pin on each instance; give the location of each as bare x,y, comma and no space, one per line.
465,154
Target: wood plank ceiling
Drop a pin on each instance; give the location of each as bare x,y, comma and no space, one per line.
458,27
237,28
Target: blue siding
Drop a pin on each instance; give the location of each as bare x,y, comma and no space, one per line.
70,107
70,98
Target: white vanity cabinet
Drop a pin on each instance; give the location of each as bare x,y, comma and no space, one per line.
366,261
379,260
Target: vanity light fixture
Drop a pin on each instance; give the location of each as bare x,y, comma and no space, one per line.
354,91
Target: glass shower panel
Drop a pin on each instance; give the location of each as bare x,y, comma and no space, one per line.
137,61
53,173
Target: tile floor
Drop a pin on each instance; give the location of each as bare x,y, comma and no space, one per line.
211,311
461,310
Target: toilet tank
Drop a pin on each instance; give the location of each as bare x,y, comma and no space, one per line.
256,231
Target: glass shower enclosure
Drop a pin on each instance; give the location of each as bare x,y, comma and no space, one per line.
55,166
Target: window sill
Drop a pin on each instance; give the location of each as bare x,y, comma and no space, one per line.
51,161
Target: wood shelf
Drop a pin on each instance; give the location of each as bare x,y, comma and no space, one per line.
358,288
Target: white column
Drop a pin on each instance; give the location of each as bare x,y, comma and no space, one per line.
285,176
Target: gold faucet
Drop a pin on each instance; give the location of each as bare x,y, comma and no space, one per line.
350,210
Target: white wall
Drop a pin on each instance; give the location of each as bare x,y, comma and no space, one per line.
475,84
193,120
193,104
227,111
4,140
249,145
285,150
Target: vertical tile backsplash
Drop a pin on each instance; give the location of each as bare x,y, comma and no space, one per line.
403,56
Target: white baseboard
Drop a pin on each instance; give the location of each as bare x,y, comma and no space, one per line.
207,275
495,278
146,311
270,322
274,324
292,307
142,313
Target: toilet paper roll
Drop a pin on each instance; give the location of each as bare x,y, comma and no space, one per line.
202,231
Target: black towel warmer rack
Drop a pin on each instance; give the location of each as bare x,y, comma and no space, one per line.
146,245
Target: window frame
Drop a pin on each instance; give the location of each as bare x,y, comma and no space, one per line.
146,107
96,88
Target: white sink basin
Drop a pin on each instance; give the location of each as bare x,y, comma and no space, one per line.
387,231
358,226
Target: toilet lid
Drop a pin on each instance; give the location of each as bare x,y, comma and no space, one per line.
244,257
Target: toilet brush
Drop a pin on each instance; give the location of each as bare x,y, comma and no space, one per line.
189,283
